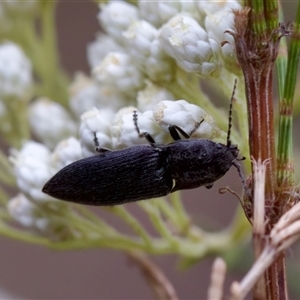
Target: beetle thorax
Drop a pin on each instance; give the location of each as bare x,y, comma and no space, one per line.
194,163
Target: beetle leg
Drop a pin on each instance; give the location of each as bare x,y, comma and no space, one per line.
174,129
102,150
96,142
97,145
241,175
209,186
197,125
144,134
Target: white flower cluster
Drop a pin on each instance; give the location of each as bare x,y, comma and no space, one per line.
151,40
131,65
15,72
34,164
15,82
49,129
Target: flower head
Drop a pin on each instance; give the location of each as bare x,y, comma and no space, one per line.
115,17
15,71
151,95
66,152
32,169
48,128
186,116
95,125
188,43
25,212
159,12
118,70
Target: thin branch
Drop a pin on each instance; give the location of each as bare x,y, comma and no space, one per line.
161,286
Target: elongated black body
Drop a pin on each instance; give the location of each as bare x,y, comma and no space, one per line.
142,172
145,171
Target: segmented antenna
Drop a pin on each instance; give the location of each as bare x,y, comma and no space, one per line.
230,115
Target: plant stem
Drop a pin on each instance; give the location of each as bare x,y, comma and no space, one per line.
257,61
257,40
285,172
54,79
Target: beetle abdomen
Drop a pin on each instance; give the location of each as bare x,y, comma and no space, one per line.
114,177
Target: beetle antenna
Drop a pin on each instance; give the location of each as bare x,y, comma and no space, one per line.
230,115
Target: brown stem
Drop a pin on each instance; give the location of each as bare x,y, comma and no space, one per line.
276,277
257,49
261,127
160,284
256,55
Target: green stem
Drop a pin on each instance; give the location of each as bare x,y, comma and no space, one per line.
166,209
88,215
258,18
155,217
6,174
23,236
285,170
183,219
134,224
3,198
17,112
86,227
271,15
281,61
55,81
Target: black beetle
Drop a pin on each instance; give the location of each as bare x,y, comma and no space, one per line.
144,171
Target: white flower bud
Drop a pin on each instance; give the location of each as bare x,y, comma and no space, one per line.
96,122
143,44
159,66
99,48
32,170
159,12
66,152
15,71
122,123
124,133
36,217
86,94
115,17
50,122
215,25
119,71
187,42
27,213
186,116
23,211
139,36
212,6
151,95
